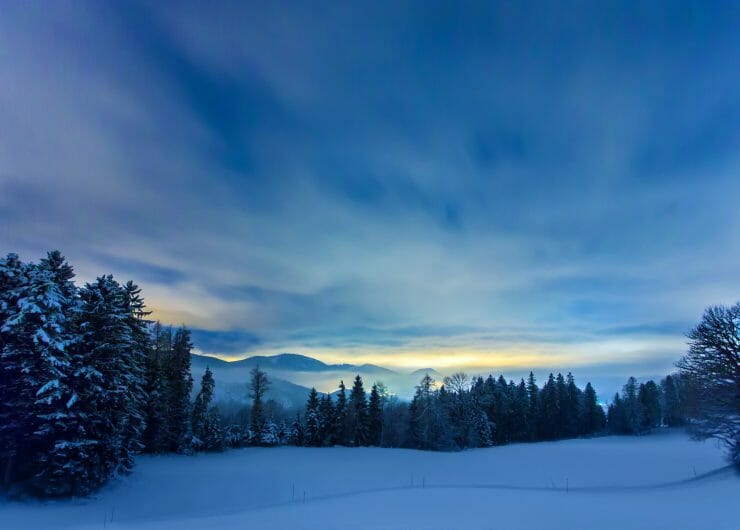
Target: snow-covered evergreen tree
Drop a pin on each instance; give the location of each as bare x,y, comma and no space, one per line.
38,414
109,374
375,417
484,430
326,420
201,407
649,397
313,428
634,411
427,428
296,435
341,435
571,406
533,410
179,386
592,415
357,418
269,434
156,433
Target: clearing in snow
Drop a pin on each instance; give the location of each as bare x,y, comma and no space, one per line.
658,481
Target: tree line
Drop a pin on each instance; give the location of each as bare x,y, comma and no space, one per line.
463,413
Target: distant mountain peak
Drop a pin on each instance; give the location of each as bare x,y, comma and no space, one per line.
424,371
295,362
285,361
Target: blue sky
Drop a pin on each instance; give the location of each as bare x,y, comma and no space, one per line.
473,184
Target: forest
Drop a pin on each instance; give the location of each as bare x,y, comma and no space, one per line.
88,382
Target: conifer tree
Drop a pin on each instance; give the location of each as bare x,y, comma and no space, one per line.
427,429
138,348
634,412
617,417
533,394
179,387
341,436
213,434
357,419
38,413
326,420
297,432
561,415
520,413
572,407
312,435
156,432
649,398
109,379
592,415
375,417
201,407
12,278
483,429
549,410
269,434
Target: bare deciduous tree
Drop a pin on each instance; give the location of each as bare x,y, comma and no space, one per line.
712,369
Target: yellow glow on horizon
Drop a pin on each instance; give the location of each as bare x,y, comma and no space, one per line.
446,358
440,359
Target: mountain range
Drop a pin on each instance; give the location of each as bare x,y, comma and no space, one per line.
292,375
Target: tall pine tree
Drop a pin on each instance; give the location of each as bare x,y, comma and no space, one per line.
375,417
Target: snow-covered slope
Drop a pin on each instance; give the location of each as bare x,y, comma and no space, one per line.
602,483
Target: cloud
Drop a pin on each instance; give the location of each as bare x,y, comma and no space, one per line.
365,180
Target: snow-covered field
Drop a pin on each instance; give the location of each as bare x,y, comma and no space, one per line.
651,482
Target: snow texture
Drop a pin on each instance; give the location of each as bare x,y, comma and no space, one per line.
657,481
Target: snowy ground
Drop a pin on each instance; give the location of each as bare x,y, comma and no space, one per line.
615,482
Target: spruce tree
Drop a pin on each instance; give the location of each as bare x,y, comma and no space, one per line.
533,394
592,415
357,418
572,407
138,349
326,420
520,405
108,374
375,417
156,433
179,387
214,438
297,434
269,434
201,407
12,410
549,416
634,412
427,428
312,436
562,420
38,416
341,435
649,398
617,417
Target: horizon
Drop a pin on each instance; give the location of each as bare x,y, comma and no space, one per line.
491,188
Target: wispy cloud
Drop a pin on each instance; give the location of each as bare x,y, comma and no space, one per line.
389,184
